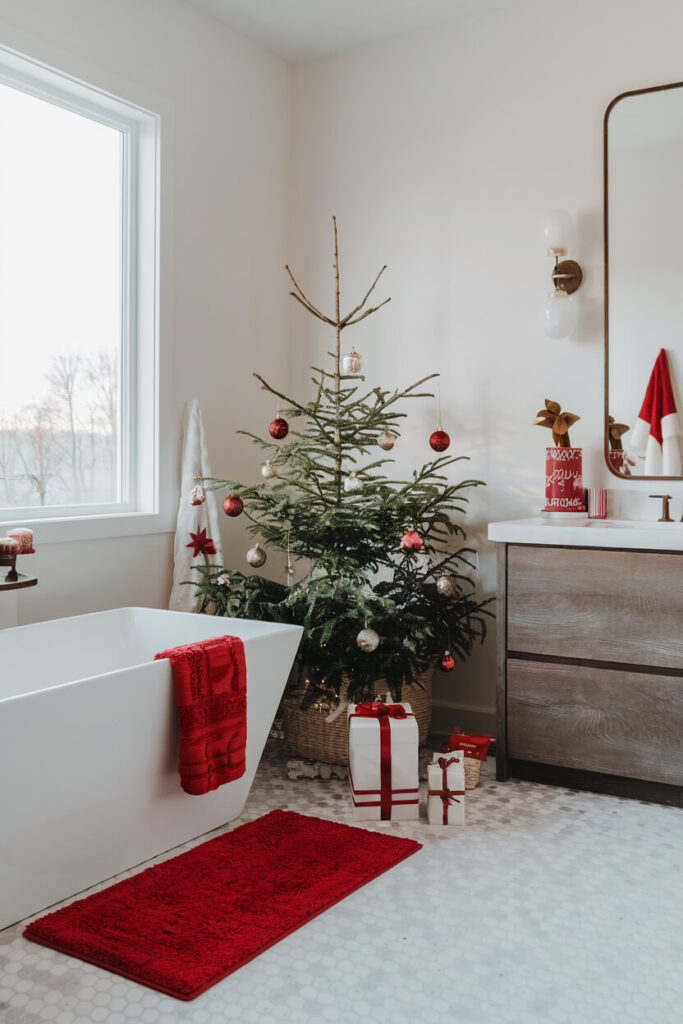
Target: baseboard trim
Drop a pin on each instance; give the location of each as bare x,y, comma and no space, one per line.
597,782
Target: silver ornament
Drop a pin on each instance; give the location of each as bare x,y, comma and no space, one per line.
268,471
256,556
386,441
446,586
368,640
352,483
352,362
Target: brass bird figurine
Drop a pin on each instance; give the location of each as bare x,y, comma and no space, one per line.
557,421
615,430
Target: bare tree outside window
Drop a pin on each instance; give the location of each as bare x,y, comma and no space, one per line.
64,449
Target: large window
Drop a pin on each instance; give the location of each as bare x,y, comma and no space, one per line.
78,252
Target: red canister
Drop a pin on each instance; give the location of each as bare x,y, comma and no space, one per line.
564,480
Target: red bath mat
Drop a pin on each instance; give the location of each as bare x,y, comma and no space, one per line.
185,924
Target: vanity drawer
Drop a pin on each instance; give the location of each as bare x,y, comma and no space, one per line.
596,719
596,604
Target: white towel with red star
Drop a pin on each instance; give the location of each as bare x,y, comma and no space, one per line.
655,435
193,519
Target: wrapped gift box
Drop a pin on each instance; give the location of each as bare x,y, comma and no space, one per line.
446,789
383,761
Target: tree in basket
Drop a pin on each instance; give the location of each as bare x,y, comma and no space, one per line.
372,573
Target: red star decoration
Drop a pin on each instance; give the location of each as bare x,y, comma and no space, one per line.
201,544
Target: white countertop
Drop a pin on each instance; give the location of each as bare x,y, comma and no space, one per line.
597,533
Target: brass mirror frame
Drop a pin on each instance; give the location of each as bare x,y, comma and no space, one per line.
606,448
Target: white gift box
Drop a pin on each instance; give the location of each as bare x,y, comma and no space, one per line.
384,787
453,806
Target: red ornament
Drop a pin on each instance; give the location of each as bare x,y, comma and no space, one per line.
411,541
233,505
447,662
439,440
201,544
279,428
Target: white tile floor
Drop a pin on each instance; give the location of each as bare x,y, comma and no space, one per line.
549,907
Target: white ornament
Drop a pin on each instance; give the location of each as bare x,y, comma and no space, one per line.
386,441
268,471
223,580
352,483
352,362
198,495
368,640
256,556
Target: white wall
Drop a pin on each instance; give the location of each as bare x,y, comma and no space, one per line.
225,291
439,153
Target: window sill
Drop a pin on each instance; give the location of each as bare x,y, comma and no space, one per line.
93,527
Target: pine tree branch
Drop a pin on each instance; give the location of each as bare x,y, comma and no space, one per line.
368,312
360,305
312,310
305,301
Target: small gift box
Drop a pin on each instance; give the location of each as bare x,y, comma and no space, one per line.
446,789
383,761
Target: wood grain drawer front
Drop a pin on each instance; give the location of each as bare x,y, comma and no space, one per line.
596,719
619,606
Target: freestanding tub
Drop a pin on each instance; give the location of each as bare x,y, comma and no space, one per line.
89,782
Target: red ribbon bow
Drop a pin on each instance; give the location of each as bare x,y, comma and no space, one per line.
378,709
448,796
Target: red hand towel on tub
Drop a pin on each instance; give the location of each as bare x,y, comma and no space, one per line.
210,681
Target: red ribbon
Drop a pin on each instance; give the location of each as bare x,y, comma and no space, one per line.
382,712
448,796
378,709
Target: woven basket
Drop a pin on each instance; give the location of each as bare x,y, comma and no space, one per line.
472,772
307,734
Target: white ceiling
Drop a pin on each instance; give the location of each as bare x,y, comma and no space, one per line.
302,29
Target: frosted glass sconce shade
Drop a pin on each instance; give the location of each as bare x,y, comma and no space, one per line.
559,315
558,232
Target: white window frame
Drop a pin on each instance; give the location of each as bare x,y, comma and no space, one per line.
144,507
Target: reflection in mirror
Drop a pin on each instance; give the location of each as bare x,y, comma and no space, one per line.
644,282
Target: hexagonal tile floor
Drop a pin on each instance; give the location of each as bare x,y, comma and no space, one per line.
549,907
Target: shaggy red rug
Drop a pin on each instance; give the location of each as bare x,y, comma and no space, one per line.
182,925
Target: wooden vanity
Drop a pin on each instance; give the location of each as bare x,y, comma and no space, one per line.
590,657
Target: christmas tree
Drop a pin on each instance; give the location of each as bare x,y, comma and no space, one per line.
373,572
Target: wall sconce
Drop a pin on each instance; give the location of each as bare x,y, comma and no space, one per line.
560,313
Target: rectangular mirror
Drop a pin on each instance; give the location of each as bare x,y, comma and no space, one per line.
643,167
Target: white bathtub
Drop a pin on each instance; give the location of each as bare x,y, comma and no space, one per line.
89,782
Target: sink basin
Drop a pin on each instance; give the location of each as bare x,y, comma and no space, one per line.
596,533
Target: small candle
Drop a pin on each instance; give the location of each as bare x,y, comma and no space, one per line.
8,546
24,538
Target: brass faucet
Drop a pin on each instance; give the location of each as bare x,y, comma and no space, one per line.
665,516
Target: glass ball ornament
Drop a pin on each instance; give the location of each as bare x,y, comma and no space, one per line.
386,441
439,440
446,586
352,362
447,663
268,470
368,640
256,556
233,505
352,483
198,495
278,428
